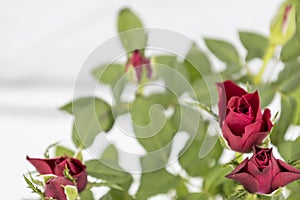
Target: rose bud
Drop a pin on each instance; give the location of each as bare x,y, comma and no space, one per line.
241,119
55,188
138,61
283,25
57,166
262,173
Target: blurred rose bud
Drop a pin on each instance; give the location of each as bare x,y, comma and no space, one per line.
57,166
139,63
283,25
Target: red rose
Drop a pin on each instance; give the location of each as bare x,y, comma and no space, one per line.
241,119
54,188
262,173
57,166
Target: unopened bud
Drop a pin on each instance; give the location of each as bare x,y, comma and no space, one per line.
283,25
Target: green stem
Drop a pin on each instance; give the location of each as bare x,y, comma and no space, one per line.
267,57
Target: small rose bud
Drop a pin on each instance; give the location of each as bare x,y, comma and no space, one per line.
283,25
138,61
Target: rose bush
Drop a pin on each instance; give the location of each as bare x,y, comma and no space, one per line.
241,119
263,173
57,166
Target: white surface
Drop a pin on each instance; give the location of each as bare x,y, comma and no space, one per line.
44,43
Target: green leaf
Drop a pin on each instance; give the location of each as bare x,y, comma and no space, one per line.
156,182
190,159
266,94
63,151
288,104
197,63
289,150
195,196
288,78
294,197
205,89
97,169
255,44
111,74
291,50
181,189
296,120
92,116
86,195
174,74
215,180
130,27
110,154
294,188
153,128
225,52
115,194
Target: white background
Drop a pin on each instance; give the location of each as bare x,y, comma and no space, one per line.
44,43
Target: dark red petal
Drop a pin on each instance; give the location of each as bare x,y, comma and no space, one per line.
237,122
267,122
81,180
54,188
287,167
235,142
263,177
284,178
253,100
60,167
275,164
286,174
43,166
240,167
253,136
226,90
247,180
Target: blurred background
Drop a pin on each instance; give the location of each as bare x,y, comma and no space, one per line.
43,45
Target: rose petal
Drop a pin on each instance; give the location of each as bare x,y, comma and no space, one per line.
235,142
43,166
226,90
240,174
54,188
263,177
253,100
237,122
81,180
267,122
253,136
247,180
240,167
287,167
284,178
